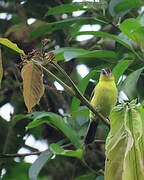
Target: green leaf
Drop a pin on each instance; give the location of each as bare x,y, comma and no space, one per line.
140,18
112,6
39,163
81,112
121,7
124,144
88,176
82,86
11,45
63,24
18,117
69,53
56,149
48,117
99,54
100,178
133,29
120,68
66,8
129,85
127,4
106,35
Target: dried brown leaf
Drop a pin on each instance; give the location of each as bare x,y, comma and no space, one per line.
33,87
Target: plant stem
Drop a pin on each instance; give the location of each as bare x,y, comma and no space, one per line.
79,95
69,90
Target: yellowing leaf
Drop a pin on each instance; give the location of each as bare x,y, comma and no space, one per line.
124,145
1,68
33,87
11,45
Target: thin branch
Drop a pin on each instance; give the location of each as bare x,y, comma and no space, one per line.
30,148
99,141
70,91
20,155
79,95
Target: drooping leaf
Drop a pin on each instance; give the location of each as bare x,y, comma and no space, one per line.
120,68
11,45
56,149
69,53
124,145
33,87
39,163
129,85
66,8
56,120
127,4
63,24
1,68
119,8
106,35
133,30
99,54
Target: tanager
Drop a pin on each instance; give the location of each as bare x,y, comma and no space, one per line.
104,99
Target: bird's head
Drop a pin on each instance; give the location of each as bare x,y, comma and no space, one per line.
106,75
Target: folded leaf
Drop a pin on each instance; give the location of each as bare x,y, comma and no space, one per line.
124,145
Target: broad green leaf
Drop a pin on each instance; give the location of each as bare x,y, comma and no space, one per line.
124,144
112,5
48,117
88,176
11,45
70,53
133,29
22,167
39,163
66,8
56,149
140,18
120,68
106,35
82,86
1,68
63,24
127,4
81,112
119,8
99,54
129,85
33,87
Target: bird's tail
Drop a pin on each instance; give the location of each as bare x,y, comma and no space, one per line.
91,131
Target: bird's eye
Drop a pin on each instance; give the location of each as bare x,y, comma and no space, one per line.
104,71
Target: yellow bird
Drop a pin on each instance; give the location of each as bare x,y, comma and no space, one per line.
104,99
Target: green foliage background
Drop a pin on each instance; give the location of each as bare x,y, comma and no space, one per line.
119,44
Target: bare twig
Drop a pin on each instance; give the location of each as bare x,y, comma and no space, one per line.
20,155
99,141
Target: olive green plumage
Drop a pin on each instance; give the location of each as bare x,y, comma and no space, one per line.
104,99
